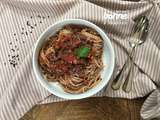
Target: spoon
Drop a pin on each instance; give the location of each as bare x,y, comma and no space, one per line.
137,32
141,37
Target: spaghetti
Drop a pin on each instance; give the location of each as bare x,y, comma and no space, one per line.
73,57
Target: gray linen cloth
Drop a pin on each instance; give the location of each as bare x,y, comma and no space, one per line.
21,23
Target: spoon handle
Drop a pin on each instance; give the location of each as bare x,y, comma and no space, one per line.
118,80
116,84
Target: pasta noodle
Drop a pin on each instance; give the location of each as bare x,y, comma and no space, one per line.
73,57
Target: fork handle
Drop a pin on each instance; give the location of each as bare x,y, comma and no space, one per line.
117,82
127,86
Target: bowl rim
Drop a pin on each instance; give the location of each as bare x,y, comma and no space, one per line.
74,96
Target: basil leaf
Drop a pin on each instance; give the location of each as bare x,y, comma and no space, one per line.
82,51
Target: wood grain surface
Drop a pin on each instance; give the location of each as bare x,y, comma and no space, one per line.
103,108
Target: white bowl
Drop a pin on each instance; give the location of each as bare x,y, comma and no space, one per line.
108,60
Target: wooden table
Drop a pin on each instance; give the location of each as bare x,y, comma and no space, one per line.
103,108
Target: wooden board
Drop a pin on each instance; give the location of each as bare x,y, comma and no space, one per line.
103,108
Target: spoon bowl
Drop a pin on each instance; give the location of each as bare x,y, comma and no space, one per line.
139,36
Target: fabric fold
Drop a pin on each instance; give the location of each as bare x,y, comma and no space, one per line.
151,106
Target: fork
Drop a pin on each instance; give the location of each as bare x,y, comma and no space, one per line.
137,33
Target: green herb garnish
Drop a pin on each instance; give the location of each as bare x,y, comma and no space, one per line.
82,51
